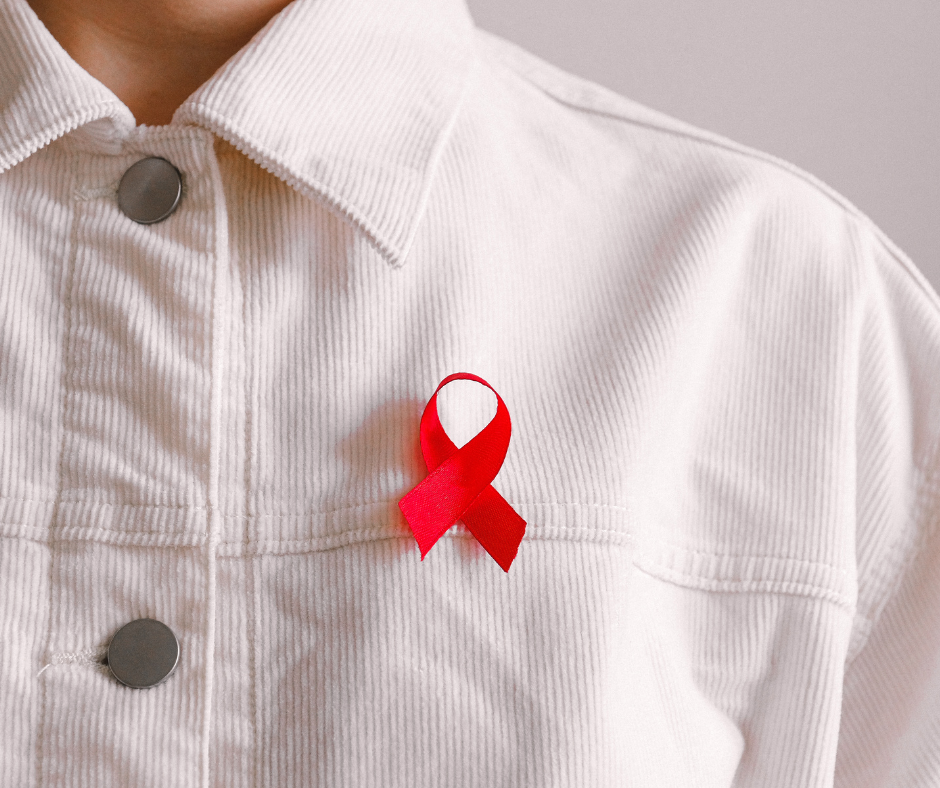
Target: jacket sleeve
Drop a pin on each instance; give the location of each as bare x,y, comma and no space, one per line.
890,723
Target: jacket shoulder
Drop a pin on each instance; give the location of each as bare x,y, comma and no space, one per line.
683,145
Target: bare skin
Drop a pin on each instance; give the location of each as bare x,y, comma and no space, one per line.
153,54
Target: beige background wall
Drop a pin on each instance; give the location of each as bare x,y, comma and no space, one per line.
847,89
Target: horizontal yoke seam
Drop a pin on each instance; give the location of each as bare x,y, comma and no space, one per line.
63,534
199,508
346,538
642,562
197,538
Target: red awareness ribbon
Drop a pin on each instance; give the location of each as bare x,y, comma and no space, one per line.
458,484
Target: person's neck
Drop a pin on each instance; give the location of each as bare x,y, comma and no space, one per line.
153,53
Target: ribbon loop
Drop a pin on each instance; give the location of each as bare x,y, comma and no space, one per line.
458,483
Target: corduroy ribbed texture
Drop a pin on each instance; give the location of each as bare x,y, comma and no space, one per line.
722,383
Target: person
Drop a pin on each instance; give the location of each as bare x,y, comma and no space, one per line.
241,246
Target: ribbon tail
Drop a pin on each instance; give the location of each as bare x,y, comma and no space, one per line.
496,526
436,503
426,531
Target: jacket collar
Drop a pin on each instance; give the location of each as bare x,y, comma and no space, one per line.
348,101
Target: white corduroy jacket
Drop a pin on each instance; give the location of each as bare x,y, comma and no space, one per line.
724,384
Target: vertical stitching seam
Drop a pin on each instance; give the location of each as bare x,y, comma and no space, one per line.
217,311
67,287
251,617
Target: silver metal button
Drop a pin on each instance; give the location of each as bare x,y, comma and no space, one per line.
150,190
143,653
